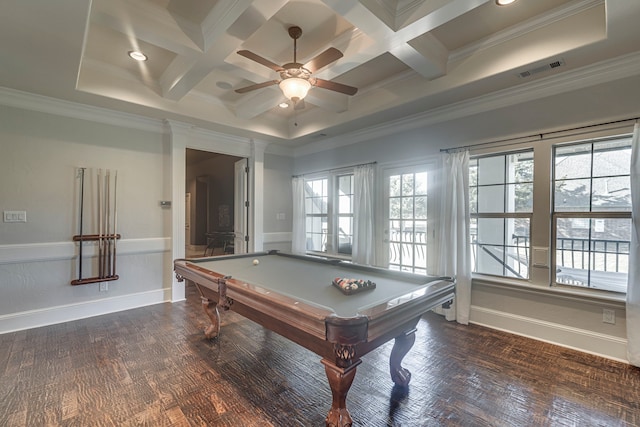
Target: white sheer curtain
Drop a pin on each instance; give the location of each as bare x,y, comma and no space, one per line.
633,287
363,251
453,231
299,234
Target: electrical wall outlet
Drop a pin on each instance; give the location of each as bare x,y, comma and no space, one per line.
608,316
104,286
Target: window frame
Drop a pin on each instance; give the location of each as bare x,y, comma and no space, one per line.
589,214
431,167
542,250
332,244
515,215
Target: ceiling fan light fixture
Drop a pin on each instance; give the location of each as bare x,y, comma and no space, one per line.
295,88
504,2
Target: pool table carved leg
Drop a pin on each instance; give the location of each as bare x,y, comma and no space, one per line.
340,380
211,310
403,343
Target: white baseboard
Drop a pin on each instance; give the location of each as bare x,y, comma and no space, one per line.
608,346
66,313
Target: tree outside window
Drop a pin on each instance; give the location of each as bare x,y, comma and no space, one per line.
501,205
592,214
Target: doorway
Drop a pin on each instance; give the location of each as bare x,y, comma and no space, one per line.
210,182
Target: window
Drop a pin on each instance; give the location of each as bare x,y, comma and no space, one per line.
317,211
329,211
406,217
592,214
345,214
501,207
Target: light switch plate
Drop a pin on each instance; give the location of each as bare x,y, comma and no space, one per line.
15,216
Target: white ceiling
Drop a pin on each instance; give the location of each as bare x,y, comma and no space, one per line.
404,56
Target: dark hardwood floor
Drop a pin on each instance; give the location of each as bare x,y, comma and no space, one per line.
152,366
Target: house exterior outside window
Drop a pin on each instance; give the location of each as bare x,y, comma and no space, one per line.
501,206
569,225
406,227
329,203
592,214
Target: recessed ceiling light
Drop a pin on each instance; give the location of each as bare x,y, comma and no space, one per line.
224,85
137,55
504,2
283,105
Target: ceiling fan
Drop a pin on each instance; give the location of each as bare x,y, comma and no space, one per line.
296,78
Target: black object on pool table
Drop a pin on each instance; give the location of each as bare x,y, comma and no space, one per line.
352,286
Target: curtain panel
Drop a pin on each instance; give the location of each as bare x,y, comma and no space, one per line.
633,284
363,228
453,231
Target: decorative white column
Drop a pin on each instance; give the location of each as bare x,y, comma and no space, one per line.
179,136
256,195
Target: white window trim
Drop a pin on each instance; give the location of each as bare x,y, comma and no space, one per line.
332,215
540,275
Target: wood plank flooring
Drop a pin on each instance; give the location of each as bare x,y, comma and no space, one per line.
153,367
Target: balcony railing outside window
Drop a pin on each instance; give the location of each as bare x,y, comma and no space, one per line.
501,206
592,213
598,264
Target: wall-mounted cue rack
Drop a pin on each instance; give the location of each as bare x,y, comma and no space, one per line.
105,219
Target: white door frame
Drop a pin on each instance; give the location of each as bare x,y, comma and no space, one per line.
182,136
241,207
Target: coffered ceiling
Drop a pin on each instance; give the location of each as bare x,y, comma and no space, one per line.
404,56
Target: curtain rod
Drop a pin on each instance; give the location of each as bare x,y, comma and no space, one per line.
335,169
535,135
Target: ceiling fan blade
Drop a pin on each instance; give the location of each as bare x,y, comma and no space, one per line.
325,58
336,87
260,60
256,86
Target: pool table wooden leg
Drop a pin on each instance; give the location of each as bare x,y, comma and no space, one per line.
211,310
403,343
340,380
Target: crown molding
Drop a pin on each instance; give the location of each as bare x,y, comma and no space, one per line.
602,72
525,27
44,104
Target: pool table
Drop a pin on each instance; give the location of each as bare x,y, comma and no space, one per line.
293,295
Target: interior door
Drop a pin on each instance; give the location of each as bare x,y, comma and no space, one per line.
405,219
241,207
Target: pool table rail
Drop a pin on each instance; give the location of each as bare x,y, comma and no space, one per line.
228,292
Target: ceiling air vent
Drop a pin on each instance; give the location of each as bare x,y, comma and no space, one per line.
541,68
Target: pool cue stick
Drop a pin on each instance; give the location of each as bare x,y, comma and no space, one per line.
107,209
115,219
81,215
99,223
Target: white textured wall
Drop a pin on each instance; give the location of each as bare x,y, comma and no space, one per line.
40,154
278,205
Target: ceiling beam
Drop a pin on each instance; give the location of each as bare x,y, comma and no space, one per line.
425,54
